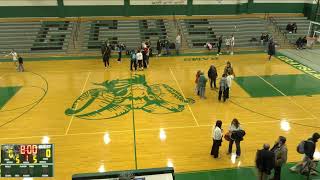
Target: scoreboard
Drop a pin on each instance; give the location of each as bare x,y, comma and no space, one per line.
27,160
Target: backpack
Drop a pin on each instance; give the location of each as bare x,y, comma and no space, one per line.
300,147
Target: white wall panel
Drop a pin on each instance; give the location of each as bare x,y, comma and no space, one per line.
92,2
28,3
158,2
203,2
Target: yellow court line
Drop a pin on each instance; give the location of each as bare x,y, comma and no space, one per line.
175,79
84,86
142,130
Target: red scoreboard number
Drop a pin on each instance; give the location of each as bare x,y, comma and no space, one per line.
28,149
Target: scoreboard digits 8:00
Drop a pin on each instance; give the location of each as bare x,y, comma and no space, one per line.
27,160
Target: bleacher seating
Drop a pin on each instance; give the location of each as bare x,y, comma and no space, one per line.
131,33
34,36
87,36
52,36
302,24
200,31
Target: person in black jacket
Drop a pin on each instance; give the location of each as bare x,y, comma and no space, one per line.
307,162
212,74
271,49
264,162
106,55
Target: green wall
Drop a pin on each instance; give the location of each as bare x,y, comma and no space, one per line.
147,10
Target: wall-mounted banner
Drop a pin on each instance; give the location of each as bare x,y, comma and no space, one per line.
158,2
92,2
204,2
28,3
285,1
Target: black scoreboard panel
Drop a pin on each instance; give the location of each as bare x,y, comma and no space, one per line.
27,160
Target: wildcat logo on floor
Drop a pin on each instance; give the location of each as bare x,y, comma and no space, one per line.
118,97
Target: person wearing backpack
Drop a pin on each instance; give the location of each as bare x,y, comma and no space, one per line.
280,151
307,148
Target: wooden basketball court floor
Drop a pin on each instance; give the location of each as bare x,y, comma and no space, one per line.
111,119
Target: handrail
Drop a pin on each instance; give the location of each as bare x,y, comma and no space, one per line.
76,31
273,21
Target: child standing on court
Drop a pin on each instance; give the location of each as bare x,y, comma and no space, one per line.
20,66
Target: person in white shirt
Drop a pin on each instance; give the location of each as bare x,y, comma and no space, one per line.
14,55
232,44
139,57
217,134
178,43
228,41
229,83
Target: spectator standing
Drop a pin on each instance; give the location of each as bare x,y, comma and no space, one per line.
178,43
236,137
281,154
228,41
159,47
133,60
139,57
212,74
217,138
119,49
232,43
229,83
264,162
222,88
262,37
106,55
197,82
271,49
309,147
202,85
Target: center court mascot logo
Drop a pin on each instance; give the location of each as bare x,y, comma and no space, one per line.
118,97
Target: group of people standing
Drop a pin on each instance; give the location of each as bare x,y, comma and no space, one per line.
275,158
224,84
235,135
139,59
17,60
229,44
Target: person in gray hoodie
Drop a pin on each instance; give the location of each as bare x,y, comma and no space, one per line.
223,87
202,85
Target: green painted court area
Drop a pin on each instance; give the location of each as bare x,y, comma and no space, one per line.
244,173
6,93
279,85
